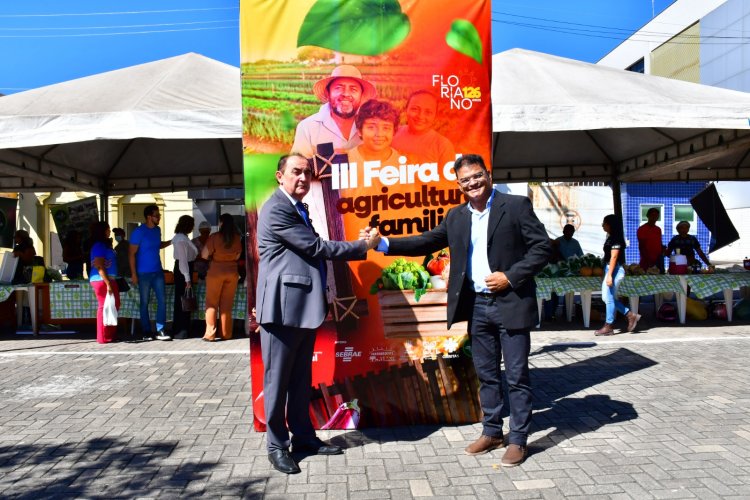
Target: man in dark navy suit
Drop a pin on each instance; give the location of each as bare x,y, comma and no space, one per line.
497,246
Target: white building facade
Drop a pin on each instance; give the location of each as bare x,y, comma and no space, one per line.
706,42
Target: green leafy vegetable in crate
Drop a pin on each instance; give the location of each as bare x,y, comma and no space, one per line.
573,266
403,275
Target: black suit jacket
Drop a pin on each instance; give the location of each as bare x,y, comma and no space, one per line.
517,244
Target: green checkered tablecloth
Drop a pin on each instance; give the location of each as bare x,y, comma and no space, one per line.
705,285
72,299
638,286
631,286
76,299
561,286
5,292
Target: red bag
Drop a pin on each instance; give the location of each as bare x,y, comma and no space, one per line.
667,312
719,311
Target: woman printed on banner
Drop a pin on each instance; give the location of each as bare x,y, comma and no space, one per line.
185,253
102,276
222,250
418,139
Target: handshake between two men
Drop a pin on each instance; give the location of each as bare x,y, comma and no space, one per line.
371,236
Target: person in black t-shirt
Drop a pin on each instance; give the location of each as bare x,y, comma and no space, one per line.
614,272
687,243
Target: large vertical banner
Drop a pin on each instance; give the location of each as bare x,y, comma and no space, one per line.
381,96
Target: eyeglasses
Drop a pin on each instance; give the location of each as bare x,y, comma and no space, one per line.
466,180
155,216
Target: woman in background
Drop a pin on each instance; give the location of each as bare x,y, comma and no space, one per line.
201,265
222,250
122,249
72,254
687,244
185,253
102,276
614,259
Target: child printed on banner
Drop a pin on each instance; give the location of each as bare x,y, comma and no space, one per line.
376,124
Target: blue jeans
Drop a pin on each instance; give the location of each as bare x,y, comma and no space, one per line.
492,343
147,281
609,293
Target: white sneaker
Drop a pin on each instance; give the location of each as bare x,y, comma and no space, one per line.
163,336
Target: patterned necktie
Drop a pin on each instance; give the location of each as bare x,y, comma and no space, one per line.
302,209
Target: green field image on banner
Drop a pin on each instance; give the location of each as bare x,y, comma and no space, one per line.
260,178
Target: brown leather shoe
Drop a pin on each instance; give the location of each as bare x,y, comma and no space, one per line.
605,330
484,444
632,320
514,455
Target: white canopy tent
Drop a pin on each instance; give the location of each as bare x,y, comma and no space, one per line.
176,124
557,119
168,125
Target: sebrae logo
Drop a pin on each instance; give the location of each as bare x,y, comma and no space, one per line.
458,97
348,353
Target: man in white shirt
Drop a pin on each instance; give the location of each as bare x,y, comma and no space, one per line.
497,246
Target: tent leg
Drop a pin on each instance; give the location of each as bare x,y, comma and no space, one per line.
617,200
103,212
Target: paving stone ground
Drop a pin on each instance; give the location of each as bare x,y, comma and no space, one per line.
661,414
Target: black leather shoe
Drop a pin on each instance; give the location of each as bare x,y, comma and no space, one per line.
317,447
282,461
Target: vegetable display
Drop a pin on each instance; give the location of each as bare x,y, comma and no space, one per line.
403,275
637,270
437,264
587,265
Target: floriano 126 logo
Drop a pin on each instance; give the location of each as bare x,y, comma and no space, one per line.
451,90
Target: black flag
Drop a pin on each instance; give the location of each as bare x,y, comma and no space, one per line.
710,209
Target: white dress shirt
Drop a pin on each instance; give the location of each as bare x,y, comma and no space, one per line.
184,251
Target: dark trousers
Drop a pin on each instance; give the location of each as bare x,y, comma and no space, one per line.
490,342
287,384
180,318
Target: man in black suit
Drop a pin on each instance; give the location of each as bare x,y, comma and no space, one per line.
497,245
291,304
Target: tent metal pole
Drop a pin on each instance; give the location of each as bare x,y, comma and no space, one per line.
103,202
617,196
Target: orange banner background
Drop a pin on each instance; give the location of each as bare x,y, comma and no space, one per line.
278,78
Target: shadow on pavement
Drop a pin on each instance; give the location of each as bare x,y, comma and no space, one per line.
553,409
571,416
111,467
553,383
45,345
